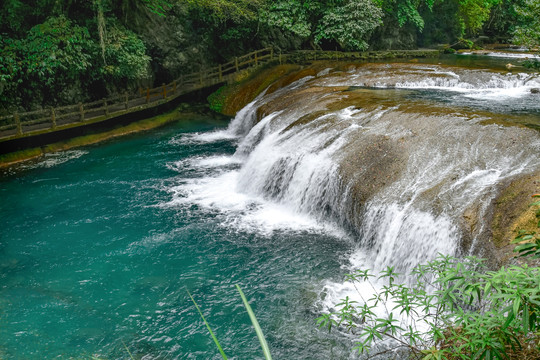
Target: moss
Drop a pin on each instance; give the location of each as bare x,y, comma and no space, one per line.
217,99
512,211
17,156
228,100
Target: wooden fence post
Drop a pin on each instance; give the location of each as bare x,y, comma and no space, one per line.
81,112
174,87
164,90
126,99
18,123
256,60
272,54
53,118
220,73
147,95
200,76
236,63
106,108
280,58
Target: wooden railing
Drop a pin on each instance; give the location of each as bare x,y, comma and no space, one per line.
52,119
57,118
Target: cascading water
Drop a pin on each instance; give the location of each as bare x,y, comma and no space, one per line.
401,171
400,174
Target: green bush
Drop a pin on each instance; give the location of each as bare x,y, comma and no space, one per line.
455,309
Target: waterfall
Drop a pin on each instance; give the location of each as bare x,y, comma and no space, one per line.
400,176
407,176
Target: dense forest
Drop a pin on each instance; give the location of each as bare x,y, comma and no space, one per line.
59,52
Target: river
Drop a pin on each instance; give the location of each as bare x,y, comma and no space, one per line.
366,166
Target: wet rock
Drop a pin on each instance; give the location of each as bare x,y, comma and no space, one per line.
535,91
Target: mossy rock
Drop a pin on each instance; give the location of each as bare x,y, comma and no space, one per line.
512,212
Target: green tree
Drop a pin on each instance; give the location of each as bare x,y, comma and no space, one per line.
350,25
405,11
527,31
474,13
53,56
125,56
346,23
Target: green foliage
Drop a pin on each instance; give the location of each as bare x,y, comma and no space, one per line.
474,13
406,11
216,99
158,7
258,330
527,31
221,11
348,23
51,57
125,55
455,309
529,241
295,16
56,49
218,345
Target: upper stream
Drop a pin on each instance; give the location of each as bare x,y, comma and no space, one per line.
372,165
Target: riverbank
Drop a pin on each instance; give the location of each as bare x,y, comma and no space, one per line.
184,111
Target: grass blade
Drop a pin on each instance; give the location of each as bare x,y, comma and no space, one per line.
208,327
256,325
125,347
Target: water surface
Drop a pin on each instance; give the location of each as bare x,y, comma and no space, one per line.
95,252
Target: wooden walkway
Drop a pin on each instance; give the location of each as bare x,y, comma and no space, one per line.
27,124
31,123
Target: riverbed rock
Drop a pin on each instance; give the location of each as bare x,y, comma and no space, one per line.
535,91
512,213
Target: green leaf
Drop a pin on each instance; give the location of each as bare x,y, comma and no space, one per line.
515,308
524,247
526,323
258,330
209,329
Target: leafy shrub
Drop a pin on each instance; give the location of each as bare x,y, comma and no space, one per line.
455,309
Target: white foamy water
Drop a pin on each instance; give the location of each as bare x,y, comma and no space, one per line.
52,159
241,211
204,137
476,84
481,85
516,55
208,162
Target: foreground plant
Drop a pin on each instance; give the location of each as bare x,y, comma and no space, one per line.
456,309
258,330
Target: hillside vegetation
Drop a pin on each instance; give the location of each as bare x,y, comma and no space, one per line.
61,52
